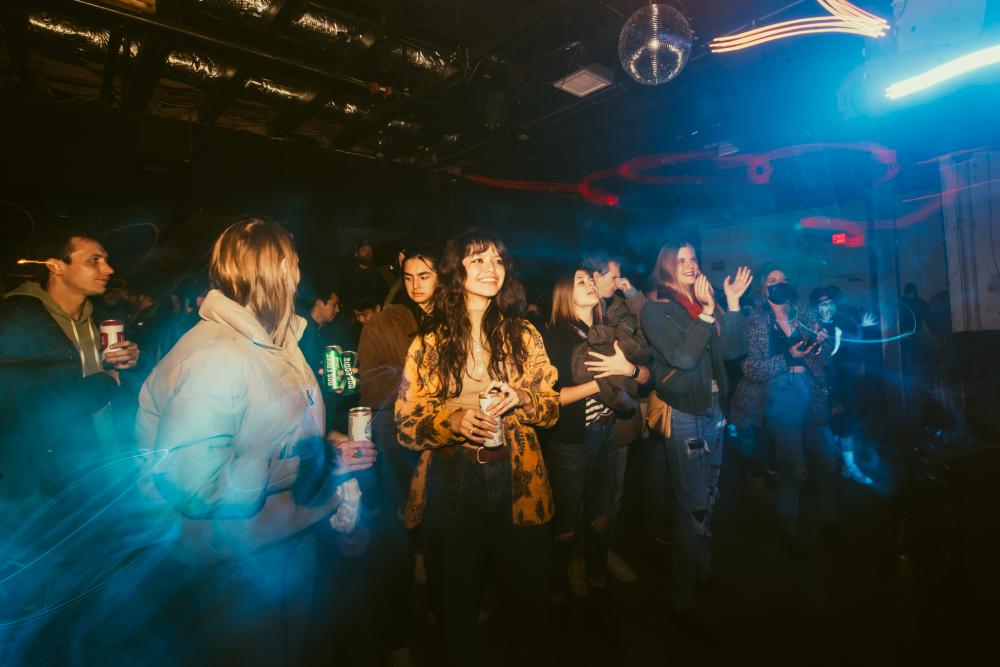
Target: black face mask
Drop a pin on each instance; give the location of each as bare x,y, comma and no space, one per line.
780,293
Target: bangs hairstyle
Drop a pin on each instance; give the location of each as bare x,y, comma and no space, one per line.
563,310
664,276
503,326
254,263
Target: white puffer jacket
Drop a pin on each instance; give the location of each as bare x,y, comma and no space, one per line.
219,419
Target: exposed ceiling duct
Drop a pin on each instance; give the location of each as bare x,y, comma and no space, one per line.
271,88
81,36
326,25
196,65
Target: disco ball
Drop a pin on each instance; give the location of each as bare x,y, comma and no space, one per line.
654,44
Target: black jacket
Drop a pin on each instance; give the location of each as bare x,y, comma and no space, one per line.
47,433
689,352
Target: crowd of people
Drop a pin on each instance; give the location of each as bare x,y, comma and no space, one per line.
216,506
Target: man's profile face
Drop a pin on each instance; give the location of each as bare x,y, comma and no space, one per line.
607,282
87,272
364,316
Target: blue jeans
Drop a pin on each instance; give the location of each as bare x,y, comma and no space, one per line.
797,437
583,474
694,460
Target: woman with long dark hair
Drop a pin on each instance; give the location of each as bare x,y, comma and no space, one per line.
492,500
580,450
692,337
784,388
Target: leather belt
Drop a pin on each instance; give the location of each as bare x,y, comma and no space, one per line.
476,453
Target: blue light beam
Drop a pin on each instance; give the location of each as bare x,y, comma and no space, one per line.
949,70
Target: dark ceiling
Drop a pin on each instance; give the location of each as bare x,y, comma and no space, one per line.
453,83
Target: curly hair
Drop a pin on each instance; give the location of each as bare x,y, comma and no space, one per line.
503,323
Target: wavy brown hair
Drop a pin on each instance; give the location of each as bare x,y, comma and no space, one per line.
503,326
254,263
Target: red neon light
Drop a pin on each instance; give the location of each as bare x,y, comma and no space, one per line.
840,239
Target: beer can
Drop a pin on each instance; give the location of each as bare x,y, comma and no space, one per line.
349,362
332,365
486,399
112,331
359,424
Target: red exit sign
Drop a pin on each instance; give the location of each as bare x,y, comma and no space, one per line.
848,240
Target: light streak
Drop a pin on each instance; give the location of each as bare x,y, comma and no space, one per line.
941,73
843,18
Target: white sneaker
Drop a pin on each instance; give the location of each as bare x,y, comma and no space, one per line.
419,569
577,571
619,569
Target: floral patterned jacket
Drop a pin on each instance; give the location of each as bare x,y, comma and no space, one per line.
423,421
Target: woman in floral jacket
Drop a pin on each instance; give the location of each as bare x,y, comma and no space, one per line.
481,500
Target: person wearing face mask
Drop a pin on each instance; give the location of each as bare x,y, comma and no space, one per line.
842,375
784,390
691,338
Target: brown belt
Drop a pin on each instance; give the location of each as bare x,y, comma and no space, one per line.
475,453
797,369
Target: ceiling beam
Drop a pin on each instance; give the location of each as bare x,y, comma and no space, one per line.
146,72
14,26
216,103
111,64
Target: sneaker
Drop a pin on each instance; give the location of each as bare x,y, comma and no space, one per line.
619,569
852,472
576,570
419,570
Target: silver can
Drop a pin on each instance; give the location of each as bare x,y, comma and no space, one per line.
486,399
359,424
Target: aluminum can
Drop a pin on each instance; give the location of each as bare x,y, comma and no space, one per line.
332,364
112,331
359,424
339,369
486,399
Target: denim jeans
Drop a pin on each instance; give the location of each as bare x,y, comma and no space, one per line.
694,459
583,474
470,506
796,437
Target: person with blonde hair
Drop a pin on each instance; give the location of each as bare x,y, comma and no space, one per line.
232,422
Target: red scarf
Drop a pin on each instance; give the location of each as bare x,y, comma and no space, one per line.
693,308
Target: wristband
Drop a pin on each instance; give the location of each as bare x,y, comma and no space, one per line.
635,371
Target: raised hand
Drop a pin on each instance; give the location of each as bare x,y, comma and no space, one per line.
737,287
705,294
